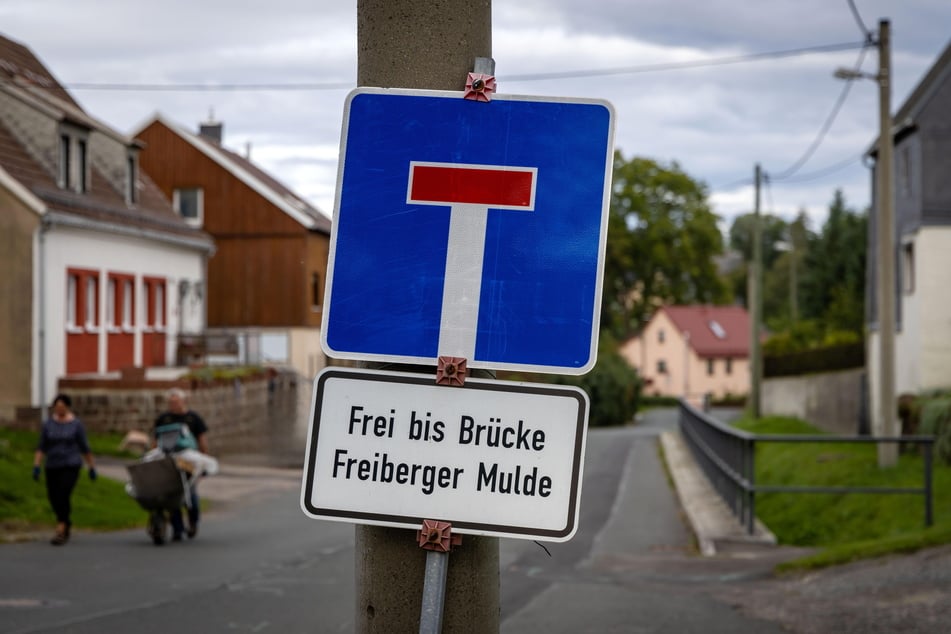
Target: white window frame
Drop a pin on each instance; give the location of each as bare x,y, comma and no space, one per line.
128,290
908,267
158,319
199,218
111,291
92,295
72,281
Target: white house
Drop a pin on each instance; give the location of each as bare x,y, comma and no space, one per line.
692,351
922,198
101,273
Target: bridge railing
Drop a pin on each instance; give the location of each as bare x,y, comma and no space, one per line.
727,457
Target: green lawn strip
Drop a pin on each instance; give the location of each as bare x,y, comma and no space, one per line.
847,526
845,553
99,505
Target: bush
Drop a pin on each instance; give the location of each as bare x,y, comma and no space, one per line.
613,387
729,400
211,373
839,357
936,421
646,401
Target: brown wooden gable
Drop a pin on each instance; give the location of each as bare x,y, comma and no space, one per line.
268,266
231,207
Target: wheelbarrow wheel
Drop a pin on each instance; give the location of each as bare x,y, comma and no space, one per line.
157,527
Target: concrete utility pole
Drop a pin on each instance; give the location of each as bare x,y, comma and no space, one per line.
888,412
756,301
419,44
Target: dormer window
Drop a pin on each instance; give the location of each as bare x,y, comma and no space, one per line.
65,156
189,202
82,158
132,177
73,167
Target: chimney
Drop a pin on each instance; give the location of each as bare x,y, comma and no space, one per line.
211,129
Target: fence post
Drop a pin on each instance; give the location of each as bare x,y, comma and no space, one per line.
929,519
751,484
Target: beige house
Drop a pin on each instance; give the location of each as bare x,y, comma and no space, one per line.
690,351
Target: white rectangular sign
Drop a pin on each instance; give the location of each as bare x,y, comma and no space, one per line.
490,457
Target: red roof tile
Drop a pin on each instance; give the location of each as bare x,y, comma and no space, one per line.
715,331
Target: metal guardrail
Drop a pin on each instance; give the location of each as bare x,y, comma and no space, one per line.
727,457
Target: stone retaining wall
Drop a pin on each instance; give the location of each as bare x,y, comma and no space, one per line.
256,415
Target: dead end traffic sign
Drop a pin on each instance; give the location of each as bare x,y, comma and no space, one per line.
467,229
491,457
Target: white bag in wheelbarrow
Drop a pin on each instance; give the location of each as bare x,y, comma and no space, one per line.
201,464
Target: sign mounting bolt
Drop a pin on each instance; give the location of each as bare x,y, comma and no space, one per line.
451,371
479,87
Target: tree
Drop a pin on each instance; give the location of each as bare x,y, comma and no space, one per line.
741,240
662,240
834,270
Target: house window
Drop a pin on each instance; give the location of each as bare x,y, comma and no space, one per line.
111,291
904,172
315,296
660,336
127,304
83,180
709,367
158,316
189,203
131,179
65,145
82,300
72,283
91,303
661,366
73,170
153,294
908,268
729,365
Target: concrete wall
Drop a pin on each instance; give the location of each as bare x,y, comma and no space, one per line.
831,401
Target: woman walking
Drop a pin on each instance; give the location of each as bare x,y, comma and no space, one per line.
64,446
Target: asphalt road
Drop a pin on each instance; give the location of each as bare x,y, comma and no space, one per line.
259,565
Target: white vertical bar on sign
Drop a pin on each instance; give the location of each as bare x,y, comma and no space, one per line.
460,300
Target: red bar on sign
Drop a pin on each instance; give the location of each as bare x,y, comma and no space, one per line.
472,185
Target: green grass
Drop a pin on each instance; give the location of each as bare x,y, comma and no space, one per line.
846,526
99,505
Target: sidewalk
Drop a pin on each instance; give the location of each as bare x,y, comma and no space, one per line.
712,522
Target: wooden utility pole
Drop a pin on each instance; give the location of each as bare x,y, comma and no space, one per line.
419,44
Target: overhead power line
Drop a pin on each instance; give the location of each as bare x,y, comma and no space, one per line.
823,130
823,172
702,63
340,85
859,21
309,86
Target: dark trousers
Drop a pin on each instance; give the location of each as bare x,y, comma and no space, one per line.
60,482
175,517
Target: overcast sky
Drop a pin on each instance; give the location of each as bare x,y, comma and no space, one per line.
715,121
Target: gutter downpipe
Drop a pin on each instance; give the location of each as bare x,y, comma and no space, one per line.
41,314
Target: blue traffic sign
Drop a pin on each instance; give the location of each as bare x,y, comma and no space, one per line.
469,229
